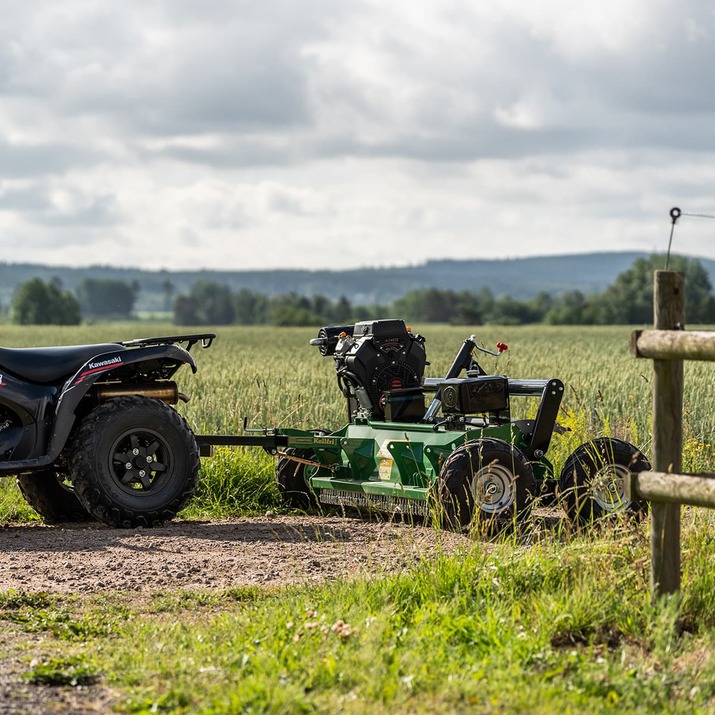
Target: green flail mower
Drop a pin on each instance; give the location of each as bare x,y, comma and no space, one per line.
458,458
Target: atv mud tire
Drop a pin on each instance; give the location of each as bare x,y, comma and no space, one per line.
134,462
292,484
487,484
591,483
54,502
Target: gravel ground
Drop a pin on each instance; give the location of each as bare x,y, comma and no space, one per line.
270,550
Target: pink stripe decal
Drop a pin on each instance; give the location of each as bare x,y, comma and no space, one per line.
97,369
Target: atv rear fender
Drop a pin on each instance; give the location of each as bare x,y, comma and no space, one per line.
152,362
133,363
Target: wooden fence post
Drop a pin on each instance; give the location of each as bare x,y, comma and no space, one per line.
668,314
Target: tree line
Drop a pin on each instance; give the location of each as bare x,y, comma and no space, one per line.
210,303
38,302
628,300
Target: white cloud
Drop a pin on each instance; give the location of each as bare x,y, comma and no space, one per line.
331,133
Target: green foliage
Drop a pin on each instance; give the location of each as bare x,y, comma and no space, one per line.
627,301
293,309
235,481
13,508
12,601
40,303
106,297
443,306
208,303
571,308
250,308
630,299
563,624
53,614
73,672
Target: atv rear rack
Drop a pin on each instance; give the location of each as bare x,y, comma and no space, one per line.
206,339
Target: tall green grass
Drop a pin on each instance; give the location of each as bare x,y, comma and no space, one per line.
273,378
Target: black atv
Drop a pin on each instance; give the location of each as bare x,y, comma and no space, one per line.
89,431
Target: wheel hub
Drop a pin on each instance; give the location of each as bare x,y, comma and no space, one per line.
608,490
493,489
137,461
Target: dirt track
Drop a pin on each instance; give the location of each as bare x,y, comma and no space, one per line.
207,555
83,559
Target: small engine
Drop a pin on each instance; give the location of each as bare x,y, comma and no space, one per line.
380,365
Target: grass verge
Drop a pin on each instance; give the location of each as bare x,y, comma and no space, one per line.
561,625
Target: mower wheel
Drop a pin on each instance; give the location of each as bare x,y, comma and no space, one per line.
292,484
486,483
53,500
591,484
134,462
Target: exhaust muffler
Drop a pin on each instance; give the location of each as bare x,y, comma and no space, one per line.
165,391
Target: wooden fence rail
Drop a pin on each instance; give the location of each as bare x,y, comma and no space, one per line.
667,488
673,344
668,345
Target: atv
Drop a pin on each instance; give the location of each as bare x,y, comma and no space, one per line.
90,432
460,459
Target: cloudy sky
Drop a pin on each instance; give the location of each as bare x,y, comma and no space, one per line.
341,133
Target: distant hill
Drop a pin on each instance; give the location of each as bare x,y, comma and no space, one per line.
521,278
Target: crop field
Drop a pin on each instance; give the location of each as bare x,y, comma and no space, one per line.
551,620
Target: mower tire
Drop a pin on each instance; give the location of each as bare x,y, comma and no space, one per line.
55,502
591,484
134,462
292,484
487,484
